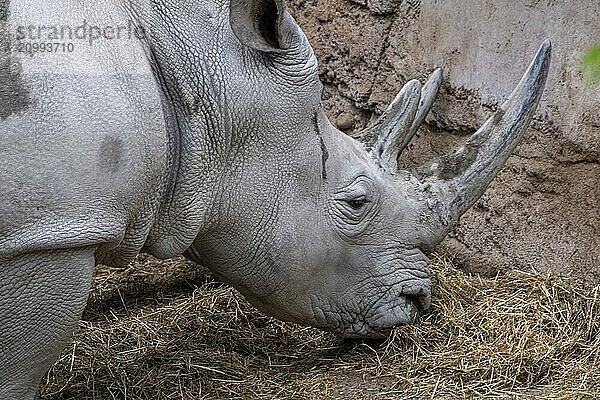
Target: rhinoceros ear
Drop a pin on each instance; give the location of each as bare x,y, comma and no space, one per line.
257,23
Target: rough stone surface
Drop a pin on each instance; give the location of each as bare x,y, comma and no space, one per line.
542,213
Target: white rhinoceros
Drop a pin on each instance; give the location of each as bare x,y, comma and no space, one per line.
196,127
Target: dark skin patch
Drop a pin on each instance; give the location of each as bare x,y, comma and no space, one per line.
14,96
111,154
3,10
324,157
324,152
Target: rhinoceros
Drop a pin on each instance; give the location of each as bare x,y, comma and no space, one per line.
196,127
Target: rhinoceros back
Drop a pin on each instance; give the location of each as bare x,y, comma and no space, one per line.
82,130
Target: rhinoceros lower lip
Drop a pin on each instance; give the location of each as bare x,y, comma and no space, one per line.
406,311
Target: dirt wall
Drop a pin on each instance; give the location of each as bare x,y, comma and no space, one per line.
542,212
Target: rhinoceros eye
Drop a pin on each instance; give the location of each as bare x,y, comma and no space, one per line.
352,202
357,204
354,206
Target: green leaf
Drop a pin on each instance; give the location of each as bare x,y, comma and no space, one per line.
590,65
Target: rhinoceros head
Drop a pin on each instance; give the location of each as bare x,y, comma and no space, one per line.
309,225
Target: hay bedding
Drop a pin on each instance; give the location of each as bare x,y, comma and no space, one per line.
168,331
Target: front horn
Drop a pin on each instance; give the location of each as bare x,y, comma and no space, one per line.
461,178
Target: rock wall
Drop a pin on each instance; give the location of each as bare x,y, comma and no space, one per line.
542,213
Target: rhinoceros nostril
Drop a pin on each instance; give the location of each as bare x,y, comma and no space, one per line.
414,308
420,301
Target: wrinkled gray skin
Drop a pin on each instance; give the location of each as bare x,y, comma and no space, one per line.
208,137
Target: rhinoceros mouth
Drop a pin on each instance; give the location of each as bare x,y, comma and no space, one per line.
406,311
376,320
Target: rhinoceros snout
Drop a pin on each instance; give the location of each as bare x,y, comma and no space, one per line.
423,299
398,309
406,310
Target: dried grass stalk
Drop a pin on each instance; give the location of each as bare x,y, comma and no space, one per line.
169,331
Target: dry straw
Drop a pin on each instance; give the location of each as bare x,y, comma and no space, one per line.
168,331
